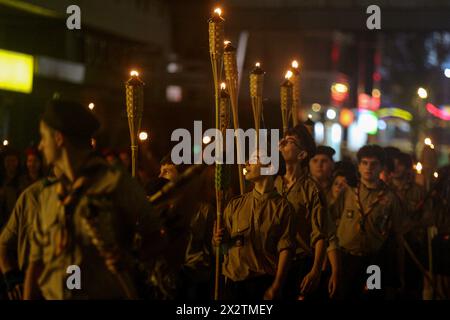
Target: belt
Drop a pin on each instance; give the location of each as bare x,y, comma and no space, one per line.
236,241
355,253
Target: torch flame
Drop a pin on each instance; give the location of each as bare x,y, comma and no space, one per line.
218,11
134,73
294,64
419,168
223,86
288,74
257,64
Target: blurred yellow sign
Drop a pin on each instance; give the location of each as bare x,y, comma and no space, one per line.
16,71
396,113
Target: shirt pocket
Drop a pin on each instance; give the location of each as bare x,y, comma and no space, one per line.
240,233
349,213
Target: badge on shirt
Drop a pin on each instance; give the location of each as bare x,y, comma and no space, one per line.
349,214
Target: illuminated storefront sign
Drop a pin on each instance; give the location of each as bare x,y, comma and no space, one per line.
395,113
16,71
435,111
367,102
368,121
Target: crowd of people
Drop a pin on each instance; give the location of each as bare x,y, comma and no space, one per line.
308,231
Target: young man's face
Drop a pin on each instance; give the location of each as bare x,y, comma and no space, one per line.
290,148
125,159
339,184
168,172
111,159
400,169
253,171
49,146
33,163
321,167
370,169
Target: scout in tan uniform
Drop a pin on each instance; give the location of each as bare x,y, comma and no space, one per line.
411,197
369,215
195,274
15,239
297,147
344,175
88,217
259,237
321,167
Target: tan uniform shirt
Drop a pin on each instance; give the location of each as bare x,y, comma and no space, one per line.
411,195
16,234
310,209
382,211
120,203
260,227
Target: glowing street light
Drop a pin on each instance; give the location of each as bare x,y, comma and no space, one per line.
331,114
422,93
316,107
206,139
143,136
447,72
91,106
376,93
339,88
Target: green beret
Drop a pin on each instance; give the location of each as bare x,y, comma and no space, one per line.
70,118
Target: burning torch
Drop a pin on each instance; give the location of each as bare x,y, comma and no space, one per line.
231,76
286,100
256,95
134,88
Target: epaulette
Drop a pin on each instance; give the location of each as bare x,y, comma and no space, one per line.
238,197
49,181
235,199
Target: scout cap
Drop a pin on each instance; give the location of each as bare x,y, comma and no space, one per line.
71,119
326,150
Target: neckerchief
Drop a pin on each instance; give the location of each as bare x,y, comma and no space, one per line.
68,199
365,214
285,192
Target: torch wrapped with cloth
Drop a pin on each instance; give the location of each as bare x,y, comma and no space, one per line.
286,100
216,48
295,80
231,77
134,88
256,95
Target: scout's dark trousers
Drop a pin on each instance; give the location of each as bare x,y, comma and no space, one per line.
354,278
252,289
299,268
192,288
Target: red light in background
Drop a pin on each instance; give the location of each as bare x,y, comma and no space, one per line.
376,77
435,111
346,118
